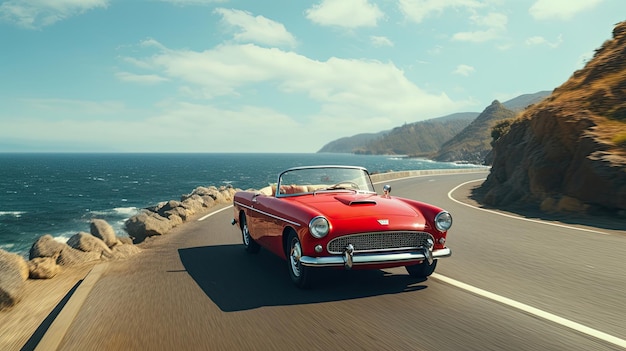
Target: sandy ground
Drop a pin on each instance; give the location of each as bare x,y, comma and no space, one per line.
23,325
34,313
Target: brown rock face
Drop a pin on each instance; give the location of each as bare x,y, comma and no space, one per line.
568,153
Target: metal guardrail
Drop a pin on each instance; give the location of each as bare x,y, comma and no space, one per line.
380,177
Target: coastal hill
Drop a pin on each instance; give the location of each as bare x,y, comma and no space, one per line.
472,144
568,152
425,138
351,143
419,138
422,137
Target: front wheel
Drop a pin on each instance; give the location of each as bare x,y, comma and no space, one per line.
298,273
421,270
249,244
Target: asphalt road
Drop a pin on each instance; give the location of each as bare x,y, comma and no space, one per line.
511,284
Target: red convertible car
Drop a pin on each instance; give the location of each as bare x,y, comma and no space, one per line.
331,216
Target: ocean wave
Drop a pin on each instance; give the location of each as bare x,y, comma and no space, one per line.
63,237
117,211
12,213
126,211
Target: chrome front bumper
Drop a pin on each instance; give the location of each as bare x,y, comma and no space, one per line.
348,260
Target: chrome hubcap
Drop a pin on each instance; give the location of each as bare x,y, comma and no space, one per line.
246,235
294,257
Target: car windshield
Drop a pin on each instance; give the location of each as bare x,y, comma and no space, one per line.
303,180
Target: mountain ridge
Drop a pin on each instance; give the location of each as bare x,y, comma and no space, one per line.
422,138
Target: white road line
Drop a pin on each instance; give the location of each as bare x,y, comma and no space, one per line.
517,217
506,301
534,311
212,213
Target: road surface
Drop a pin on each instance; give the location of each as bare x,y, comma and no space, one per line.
511,284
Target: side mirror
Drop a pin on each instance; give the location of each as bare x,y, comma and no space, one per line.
386,190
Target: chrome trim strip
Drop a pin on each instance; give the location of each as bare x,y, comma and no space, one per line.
267,214
339,261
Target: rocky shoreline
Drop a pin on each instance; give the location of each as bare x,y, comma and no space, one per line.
49,258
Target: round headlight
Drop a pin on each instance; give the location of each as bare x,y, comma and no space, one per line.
319,227
443,221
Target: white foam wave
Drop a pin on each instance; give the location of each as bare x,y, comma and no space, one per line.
63,237
126,211
12,213
117,211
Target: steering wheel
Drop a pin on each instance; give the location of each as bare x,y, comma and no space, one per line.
353,185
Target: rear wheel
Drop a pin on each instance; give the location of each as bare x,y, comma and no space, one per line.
421,270
249,244
299,274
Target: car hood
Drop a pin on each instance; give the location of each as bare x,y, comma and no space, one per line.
358,205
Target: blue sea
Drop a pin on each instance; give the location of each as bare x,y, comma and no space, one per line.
59,194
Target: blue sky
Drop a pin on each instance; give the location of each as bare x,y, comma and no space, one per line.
275,75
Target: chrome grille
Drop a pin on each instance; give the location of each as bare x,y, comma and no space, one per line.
379,241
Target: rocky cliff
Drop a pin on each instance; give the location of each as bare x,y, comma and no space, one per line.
568,152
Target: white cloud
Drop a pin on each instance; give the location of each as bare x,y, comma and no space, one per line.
193,2
34,14
69,106
478,36
539,40
464,70
345,13
368,87
256,29
353,95
495,24
418,10
378,41
140,78
560,9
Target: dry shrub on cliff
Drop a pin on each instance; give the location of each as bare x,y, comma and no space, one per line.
572,145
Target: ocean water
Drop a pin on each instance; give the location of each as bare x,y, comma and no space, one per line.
59,194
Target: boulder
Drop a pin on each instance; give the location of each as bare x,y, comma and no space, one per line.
175,220
69,256
103,230
17,261
89,243
200,191
208,201
228,193
11,278
193,204
43,268
146,224
123,240
46,246
125,251
179,212
164,207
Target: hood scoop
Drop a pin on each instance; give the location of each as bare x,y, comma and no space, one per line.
355,200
